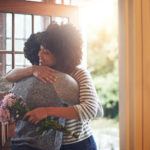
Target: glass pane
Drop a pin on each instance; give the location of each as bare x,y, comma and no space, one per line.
8,59
23,26
58,2
27,62
66,2
23,29
5,63
41,23
65,20
5,31
8,44
19,45
8,68
74,2
9,25
60,20
21,61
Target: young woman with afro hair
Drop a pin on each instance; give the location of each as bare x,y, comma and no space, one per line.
60,48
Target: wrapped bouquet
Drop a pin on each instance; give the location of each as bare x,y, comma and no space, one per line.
13,109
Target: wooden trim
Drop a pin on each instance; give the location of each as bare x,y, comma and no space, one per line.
129,93
32,24
138,75
146,73
11,52
37,8
13,40
131,75
34,8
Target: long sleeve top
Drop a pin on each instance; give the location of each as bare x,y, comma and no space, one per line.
87,109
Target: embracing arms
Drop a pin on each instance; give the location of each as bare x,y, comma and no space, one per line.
43,73
40,113
84,111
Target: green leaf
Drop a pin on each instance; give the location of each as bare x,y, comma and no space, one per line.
44,132
37,129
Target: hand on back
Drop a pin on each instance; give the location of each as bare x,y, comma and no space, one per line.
44,73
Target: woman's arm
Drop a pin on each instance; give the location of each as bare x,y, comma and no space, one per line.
87,109
43,73
40,113
19,73
84,111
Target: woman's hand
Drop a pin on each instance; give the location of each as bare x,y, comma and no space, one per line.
44,73
36,115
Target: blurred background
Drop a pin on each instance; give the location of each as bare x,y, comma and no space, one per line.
99,23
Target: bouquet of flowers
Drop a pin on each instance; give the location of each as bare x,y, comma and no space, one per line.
13,109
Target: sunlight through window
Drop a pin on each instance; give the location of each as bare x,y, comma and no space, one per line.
99,25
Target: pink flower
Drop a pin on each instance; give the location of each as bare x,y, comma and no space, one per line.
8,100
22,103
4,112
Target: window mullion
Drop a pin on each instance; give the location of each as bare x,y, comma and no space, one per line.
32,24
13,40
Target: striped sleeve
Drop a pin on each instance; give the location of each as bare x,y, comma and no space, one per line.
87,109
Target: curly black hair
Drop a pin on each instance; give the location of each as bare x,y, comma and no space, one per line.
32,47
65,43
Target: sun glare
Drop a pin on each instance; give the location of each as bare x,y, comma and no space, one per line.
96,13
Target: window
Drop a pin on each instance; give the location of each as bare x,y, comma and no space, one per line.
15,29
67,2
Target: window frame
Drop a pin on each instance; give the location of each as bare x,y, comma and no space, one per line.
46,8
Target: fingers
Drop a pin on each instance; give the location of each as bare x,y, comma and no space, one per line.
36,122
50,78
45,74
33,120
52,75
46,79
25,116
30,119
49,69
42,79
45,68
